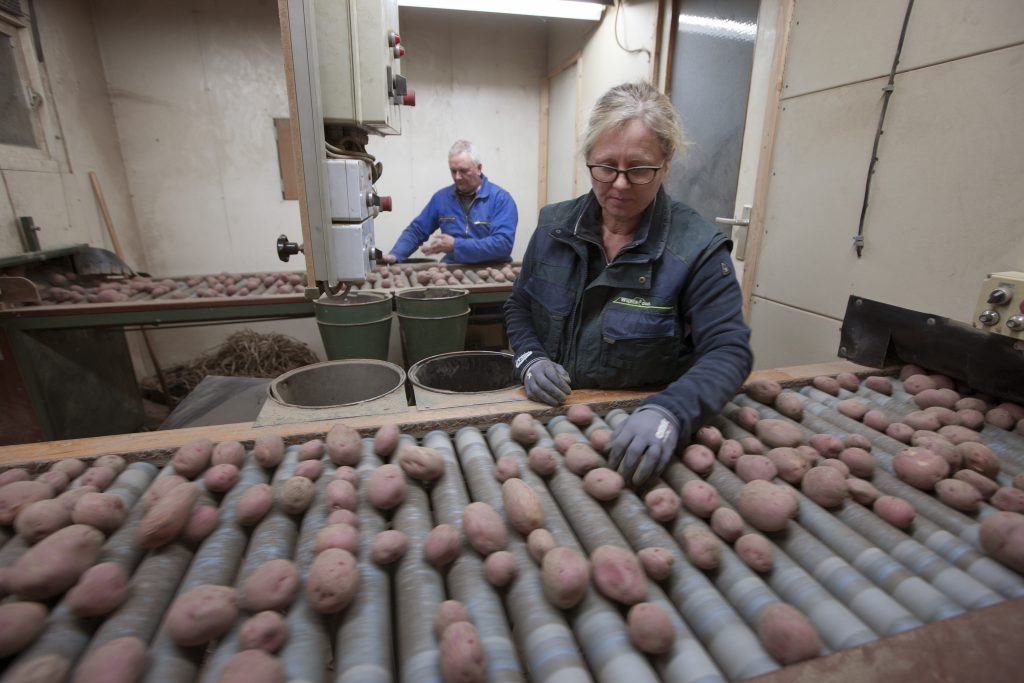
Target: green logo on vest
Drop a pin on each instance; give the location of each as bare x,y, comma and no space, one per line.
639,302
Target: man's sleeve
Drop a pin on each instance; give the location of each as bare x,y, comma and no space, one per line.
497,246
713,308
417,232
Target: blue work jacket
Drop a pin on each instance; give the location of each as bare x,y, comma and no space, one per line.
483,234
665,312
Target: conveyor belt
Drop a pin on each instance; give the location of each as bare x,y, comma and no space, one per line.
856,578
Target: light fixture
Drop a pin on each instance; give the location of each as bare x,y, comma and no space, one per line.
717,28
562,9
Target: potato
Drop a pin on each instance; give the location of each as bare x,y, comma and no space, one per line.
388,546
311,450
12,475
159,488
837,465
829,385
522,507
862,491
462,654
766,506
790,404
618,574
985,486
972,419
1018,481
789,465
882,385
940,447
603,484
55,563
1002,537
542,461
17,495
778,433
538,543
971,403
958,494
700,497
523,429
265,631
709,437
763,390
662,504
201,614
441,545
192,458
910,369
857,441
386,439
310,469
650,628
254,504
228,452
825,486
787,635
295,495
419,462
915,384
945,398
600,440
506,467
1008,498
100,477
343,517
895,511
201,523
56,479
827,445
38,520
979,458
500,568
341,495
565,575
919,467
853,408
750,467
699,458
101,590
1016,410
165,520
268,450
564,441
344,445
701,547
580,458
1000,417
899,431
747,418
270,586
960,435
221,477
756,551
729,452
484,528
252,666
344,536
332,581
386,487
348,474
919,419
448,613
944,415
752,445
20,624
121,660
73,467
580,415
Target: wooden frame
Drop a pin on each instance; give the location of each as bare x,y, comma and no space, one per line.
545,112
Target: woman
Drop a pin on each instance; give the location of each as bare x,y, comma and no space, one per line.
624,287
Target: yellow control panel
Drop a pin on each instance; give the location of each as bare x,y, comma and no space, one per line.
1000,306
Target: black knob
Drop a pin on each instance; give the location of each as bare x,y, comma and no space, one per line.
286,249
999,295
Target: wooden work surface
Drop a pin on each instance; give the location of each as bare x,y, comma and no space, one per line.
157,446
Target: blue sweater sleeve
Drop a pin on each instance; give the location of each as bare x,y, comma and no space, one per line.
417,232
497,246
712,305
518,309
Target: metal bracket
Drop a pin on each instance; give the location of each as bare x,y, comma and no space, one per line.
741,227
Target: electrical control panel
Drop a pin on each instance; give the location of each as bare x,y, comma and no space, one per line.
1000,306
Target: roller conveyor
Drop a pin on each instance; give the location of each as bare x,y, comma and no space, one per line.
862,583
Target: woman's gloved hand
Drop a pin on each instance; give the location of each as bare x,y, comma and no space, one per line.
546,381
643,443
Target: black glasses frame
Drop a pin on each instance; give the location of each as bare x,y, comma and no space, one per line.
627,172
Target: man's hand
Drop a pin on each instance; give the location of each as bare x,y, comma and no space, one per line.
441,244
643,443
546,381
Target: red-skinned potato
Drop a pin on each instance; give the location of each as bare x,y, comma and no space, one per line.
857,441
920,468
862,491
265,631
747,418
462,654
729,452
332,581
882,385
662,504
750,467
766,506
756,551
295,495
117,660
386,439
763,390
165,520
826,486
650,628
899,431
228,453
789,465
98,476
787,635
985,486
752,445
700,497
40,519
270,586
860,462
343,444
386,488
254,504
252,666
618,574
779,433
56,479
603,484
201,523
565,575
448,613
829,385
441,545
789,404
347,473
542,461
895,511
600,440
853,408
727,523
580,458
522,507
158,489
837,465
20,624
342,536
523,429
699,458
419,462
17,495
915,384
388,546
538,543
709,437
657,562
268,450
1002,537
192,458
500,568
979,458
702,548
580,415
341,495
221,477
311,450
342,516
72,467
958,494
1008,498
101,590
484,528
17,474
201,614
960,435
827,445
507,467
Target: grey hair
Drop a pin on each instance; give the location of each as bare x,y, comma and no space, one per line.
465,147
638,101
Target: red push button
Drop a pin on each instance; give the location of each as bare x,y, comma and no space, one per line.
409,99
385,203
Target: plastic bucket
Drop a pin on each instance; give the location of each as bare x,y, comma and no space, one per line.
431,321
356,325
340,383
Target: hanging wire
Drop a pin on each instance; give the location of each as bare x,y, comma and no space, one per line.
618,4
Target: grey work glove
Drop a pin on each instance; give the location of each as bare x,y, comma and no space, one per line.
546,381
643,443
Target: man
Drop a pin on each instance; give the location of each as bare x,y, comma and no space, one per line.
476,218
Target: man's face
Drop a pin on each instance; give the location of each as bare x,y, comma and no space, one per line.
467,175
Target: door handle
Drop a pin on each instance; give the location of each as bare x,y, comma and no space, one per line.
741,224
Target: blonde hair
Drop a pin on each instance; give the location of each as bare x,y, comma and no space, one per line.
637,101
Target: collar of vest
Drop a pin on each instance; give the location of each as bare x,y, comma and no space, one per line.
481,192
647,249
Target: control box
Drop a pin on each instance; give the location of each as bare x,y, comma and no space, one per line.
1000,307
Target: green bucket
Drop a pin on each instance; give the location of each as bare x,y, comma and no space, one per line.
432,320
355,325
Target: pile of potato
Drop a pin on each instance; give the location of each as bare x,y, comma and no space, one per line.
401,276
70,288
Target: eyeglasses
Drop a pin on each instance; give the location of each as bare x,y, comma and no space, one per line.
638,175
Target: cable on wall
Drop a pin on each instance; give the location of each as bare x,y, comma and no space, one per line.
618,4
887,90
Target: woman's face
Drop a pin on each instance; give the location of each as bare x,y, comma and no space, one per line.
622,147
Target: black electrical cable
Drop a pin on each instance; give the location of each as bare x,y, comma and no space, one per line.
858,240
